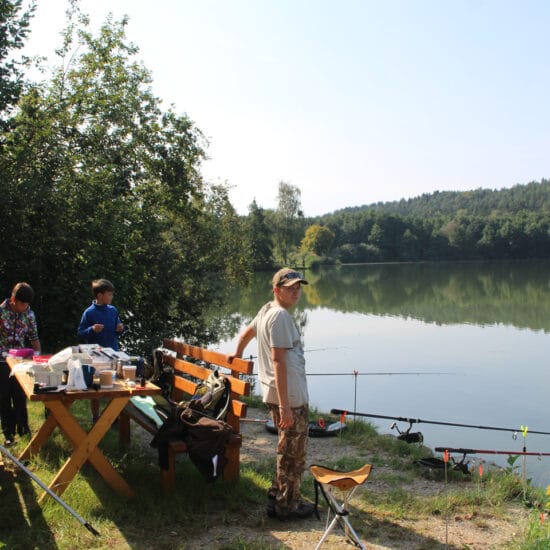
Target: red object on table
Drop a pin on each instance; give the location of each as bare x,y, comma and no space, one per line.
41,358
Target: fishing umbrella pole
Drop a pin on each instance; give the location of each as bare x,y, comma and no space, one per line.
50,492
437,422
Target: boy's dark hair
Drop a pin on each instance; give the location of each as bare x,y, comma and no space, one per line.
102,285
23,292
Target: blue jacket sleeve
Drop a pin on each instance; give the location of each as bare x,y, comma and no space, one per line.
84,328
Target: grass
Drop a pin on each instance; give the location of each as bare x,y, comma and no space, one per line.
153,521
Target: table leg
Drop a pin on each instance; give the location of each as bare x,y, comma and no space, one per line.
39,438
85,446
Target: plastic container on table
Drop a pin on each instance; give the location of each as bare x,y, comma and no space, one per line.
21,352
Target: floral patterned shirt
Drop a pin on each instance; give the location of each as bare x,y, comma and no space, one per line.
16,328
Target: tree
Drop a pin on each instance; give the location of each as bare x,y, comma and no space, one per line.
226,229
14,29
98,181
376,236
318,239
260,238
288,219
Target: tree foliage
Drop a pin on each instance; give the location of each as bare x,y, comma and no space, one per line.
260,236
318,239
288,219
464,235
14,29
531,197
98,181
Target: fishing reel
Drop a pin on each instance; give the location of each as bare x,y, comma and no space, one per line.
462,466
435,463
407,436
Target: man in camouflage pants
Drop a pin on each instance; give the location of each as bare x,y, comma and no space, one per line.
282,377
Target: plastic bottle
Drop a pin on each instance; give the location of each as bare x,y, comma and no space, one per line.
119,371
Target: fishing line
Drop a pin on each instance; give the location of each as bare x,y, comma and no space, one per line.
401,373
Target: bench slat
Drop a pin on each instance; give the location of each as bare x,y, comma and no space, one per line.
241,365
184,385
238,408
186,367
239,386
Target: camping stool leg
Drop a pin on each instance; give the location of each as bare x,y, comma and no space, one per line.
340,517
327,532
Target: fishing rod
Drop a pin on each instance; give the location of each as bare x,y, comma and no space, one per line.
488,452
50,492
440,423
251,357
356,373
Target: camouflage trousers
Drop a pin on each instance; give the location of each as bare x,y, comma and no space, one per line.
291,459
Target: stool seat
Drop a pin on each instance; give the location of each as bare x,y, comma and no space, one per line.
342,480
327,480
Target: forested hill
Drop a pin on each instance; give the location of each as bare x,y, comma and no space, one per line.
470,225
534,196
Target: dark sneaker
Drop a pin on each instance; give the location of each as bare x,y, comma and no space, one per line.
9,441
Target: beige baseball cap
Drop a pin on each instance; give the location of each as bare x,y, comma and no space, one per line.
288,277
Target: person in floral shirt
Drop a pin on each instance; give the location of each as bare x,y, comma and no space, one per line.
18,329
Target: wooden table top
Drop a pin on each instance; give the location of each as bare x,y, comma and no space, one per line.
119,389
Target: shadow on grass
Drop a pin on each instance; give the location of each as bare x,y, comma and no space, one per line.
22,524
228,515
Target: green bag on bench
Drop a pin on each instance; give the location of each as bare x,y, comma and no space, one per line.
147,405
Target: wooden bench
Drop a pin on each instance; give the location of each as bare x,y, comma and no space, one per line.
192,365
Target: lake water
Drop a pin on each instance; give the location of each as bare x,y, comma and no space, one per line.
478,333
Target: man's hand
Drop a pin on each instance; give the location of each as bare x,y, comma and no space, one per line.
287,418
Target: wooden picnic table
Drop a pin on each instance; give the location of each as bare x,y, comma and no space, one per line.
85,444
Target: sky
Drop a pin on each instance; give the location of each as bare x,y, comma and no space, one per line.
352,101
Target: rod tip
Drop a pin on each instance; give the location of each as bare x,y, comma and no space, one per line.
91,529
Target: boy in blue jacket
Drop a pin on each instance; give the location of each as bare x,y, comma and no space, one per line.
100,324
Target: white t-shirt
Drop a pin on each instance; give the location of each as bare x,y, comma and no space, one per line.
275,328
